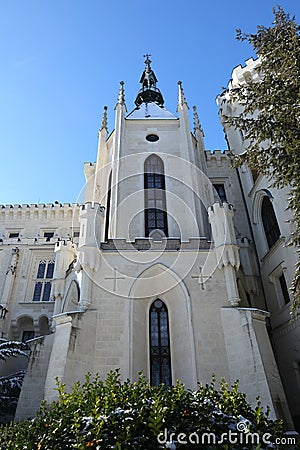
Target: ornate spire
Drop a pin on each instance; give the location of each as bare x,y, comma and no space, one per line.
121,96
181,97
149,92
197,125
104,119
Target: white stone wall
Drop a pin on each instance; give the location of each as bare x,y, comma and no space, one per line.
251,360
32,391
18,277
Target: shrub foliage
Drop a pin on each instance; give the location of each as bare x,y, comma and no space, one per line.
123,415
10,388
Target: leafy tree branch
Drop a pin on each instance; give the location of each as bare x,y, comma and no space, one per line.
269,114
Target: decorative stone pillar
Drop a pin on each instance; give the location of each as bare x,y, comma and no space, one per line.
227,252
10,276
59,354
89,254
64,255
121,110
7,288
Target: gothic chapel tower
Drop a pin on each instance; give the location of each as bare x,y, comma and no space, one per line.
158,263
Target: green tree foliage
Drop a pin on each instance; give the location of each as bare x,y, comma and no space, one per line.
10,385
10,349
111,414
270,114
10,388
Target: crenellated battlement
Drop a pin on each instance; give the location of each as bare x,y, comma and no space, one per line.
242,74
217,158
88,206
65,211
216,155
64,245
35,241
226,207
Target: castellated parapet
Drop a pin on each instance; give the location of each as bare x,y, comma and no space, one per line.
216,155
38,223
91,206
38,211
242,74
91,223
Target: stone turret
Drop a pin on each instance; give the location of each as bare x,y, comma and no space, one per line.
91,222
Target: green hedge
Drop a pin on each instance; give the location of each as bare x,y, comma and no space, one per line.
123,415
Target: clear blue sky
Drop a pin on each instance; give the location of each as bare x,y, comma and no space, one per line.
62,60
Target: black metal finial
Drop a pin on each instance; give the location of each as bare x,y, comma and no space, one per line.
149,92
147,56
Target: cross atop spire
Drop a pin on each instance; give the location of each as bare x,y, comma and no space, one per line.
147,61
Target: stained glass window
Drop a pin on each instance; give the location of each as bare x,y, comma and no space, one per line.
108,200
221,192
284,289
41,269
42,288
160,356
37,291
50,269
155,196
269,221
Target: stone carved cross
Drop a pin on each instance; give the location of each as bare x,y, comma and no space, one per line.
115,278
200,277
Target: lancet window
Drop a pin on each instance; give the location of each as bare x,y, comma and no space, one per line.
42,288
155,196
269,221
108,201
160,355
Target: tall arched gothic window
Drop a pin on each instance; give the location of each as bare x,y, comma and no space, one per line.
108,200
155,196
269,221
160,355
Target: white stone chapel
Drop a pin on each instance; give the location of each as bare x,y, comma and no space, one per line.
154,272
